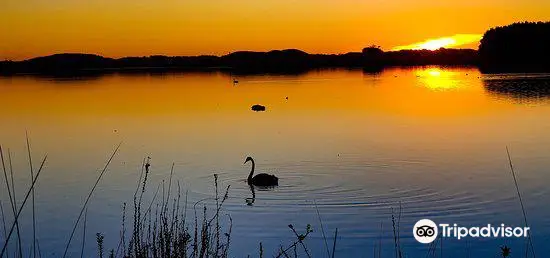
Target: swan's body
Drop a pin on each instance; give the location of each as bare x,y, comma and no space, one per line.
260,179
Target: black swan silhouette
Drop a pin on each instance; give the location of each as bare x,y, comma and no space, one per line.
260,179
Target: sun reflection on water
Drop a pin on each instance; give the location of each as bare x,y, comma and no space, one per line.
438,79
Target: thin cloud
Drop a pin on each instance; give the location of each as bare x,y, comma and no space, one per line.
446,42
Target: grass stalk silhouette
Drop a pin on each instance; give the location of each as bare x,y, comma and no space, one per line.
322,227
137,211
122,241
148,211
299,241
88,198
99,241
520,201
334,243
380,240
84,234
32,198
14,192
11,195
261,250
396,234
16,217
4,224
39,249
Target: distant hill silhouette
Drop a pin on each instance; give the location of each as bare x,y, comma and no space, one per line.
276,61
519,47
289,60
428,57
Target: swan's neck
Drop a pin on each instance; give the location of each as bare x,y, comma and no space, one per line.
251,172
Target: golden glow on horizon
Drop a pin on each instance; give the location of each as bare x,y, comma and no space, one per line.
445,42
31,28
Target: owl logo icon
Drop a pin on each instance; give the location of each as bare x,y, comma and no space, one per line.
425,231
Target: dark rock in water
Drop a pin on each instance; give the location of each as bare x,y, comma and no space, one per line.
258,108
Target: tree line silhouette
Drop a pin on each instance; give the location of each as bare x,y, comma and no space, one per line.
516,47
519,47
276,61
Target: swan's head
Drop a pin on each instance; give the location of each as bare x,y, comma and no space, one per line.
248,159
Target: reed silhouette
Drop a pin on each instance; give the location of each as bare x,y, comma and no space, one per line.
167,232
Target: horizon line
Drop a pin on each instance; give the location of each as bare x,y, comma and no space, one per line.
237,51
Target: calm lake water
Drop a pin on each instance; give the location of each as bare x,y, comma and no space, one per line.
429,140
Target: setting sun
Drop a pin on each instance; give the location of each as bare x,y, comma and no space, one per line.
444,42
438,43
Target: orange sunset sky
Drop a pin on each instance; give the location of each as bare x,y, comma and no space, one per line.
116,28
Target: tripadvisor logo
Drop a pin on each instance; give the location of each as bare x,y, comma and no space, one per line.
426,231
